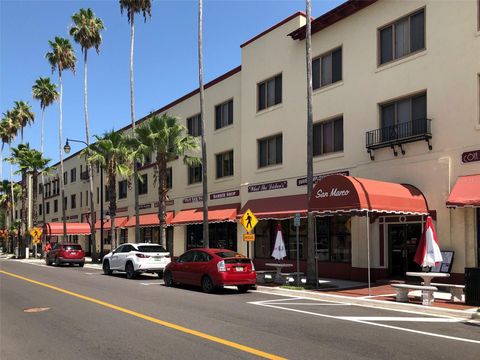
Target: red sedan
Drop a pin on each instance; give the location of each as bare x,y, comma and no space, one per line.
211,269
65,253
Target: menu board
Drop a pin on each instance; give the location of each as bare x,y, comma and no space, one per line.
446,265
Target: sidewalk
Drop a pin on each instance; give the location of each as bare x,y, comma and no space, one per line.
381,296
32,260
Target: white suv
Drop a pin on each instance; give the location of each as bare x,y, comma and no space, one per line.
134,259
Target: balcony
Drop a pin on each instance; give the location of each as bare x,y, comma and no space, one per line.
399,134
84,175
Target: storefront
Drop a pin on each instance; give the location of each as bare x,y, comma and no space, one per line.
150,229
54,230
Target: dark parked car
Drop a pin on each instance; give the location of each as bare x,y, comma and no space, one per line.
65,253
211,269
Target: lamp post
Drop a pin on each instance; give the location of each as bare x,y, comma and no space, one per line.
67,150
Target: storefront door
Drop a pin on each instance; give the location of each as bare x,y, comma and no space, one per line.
478,237
403,241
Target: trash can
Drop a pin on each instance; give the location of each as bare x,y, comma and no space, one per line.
472,286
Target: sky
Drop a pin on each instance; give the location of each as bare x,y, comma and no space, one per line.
165,57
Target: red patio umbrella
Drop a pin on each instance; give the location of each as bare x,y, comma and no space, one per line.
428,252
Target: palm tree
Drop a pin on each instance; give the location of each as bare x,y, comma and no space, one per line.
206,242
61,58
133,7
86,32
111,152
169,140
46,92
23,115
311,271
8,193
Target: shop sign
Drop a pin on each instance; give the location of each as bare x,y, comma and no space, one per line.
167,203
73,217
122,209
224,194
471,156
303,181
144,206
248,237
268,186
333,193
193,199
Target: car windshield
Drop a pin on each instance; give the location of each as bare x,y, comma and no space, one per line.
72,247
229,254
151,248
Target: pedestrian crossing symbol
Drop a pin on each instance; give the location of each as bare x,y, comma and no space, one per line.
248,221
36,233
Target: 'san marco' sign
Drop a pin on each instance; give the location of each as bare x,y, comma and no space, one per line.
333,193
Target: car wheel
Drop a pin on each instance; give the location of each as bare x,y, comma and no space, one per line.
129,269
160,274
48,262
81,264
207,284
168,279
243,288
57,262
106,268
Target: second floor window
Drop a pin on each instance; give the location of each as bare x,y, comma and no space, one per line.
194,125
194,174
327,69
269,92
47,207
73,201
403,37
65,178
143,185
65,202
224,164
169,178
328,137
73,175
55,206
122,189
224,114
270,151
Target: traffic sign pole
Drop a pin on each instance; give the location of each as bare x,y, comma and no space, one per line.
296,222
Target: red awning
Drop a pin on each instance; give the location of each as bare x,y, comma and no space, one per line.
56,228
338,193
466,192
222,213
149,220
119,223
282,207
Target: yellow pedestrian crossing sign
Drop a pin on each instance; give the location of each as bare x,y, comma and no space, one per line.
36,233
248,221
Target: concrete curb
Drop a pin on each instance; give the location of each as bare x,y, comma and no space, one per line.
380,304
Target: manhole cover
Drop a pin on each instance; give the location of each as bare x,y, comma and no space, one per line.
36,309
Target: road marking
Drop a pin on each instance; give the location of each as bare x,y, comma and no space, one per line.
147,284
399,318
166,324
311,304
357,320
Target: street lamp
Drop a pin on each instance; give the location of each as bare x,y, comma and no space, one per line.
67,150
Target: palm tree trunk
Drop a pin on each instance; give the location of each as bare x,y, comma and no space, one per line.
162,192
34,199
311,251
12,191
132,114
42,141
62,184
23,231
112,188
89,165
206,241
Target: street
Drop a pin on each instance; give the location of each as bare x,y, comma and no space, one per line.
86,315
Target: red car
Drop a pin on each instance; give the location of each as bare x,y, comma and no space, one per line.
211,269
65,253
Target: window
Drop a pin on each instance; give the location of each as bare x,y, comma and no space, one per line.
404,117
73,201
328,137
107,237
47,207
194,174
40,209
143,185
270,151
122,189
65,202
55,206
86,198
40,188
81,198
73,175
334,240
194,125
169,178
98,195
107,193
123,236
403,37
220,235
201,256
224,164
269,92
65,178
327,69
147,160
224,114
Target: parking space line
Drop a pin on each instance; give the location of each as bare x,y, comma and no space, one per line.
399,318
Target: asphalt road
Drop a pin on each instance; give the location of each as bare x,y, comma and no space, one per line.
93,316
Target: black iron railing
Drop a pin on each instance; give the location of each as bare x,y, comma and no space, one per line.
84,175
419,129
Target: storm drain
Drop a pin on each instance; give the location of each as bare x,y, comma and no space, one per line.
36,309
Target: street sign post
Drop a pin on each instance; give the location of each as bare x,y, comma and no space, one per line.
248,237
296,223
249,221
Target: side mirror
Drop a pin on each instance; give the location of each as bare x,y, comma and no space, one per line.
113,252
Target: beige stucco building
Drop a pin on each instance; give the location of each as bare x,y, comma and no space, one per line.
396,98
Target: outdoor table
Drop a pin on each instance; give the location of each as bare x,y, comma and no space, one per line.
428,276
279,267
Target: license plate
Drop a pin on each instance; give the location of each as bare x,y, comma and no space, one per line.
73,253
238,268
157,258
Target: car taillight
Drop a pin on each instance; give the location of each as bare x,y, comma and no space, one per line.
253,266
221,266
142,256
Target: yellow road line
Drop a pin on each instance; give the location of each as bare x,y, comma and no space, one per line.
153,320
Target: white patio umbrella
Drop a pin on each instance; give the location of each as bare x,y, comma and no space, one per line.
428,252
279,250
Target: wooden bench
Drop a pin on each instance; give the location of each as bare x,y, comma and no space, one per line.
456,291
403,289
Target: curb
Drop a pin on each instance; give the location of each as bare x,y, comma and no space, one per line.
380,304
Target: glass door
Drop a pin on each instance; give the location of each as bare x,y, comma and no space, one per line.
403,241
